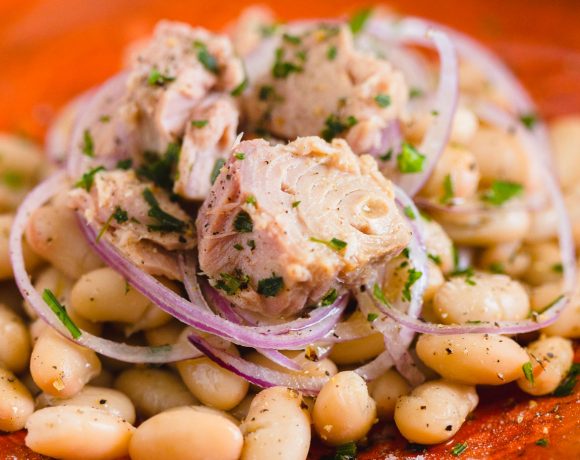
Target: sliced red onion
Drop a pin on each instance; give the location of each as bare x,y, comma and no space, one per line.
121,351
256,374
377,367
391,141
411,31
199,318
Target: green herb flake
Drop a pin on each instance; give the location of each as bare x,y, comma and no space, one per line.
120,215
240,155
243,222
164,222
358,20
156,78
265,92
387,156
161,169
558,268
346,451
88,144
13,180
458,449
528,370
282,68
408,210
267,30
501,192
497,268
566,388
60,311
435,258
295,204
448,190
372,317
215,172
331,53
205,58
238,247
529,120
292,39
410,160
383,100
329,298
542,442
334,126
251,199
413,277
415,93
232,283
251,244
270,287
239,90
105,118
199,123
125,164
380,295
335,244
88,178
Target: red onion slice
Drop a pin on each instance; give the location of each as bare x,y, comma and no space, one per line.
121,351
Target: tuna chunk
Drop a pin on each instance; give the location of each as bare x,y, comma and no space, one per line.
319,84
138,218
284,225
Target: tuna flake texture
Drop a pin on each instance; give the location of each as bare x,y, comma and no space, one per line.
284,225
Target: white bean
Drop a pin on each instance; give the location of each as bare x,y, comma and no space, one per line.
153,390
111,401
545,263
344,411
319,368
439,245
554,356
565,136
358,350
16,402
434,411
505,258
435,280
77,432
168,334
483,297
483,359
568,323
31,260
14,341
386,390
277,426
187,433
60,367
572,200
54,234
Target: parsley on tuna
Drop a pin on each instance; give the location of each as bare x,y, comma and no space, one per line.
164,222
270,287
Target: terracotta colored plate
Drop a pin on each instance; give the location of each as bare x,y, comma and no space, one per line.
51,50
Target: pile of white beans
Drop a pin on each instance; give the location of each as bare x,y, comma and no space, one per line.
76,404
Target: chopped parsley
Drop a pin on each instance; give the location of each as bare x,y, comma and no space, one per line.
497,268
238,247
467,272
251,244
88,144
380,295
251,199
239,90
387,156
558,268
502,191
270,287
231,284
371,317
125,164
156,78
119,214
345,452
13,179
329,298
267,30
240,155
408,210
60,311
435,258
448,190
282,68
383,100
265,92
164,222
199,123
331,53
292,39
567,386
105,118
542,442
413,277
358,20
215,172
205,58
458,449
550,305
335,244
161,170
528,370
333,126
529,120
243,222
295,204
410,160
415,93
88,178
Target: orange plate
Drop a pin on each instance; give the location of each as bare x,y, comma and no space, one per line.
51,50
